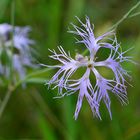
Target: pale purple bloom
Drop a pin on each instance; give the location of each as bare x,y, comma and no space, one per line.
93,92
85,88
15,41
89,40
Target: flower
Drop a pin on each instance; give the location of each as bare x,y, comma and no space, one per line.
14,44
67,83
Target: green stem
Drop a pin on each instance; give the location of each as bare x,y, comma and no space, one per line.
31,75
4,102
11,90
125,16
135,14
12,36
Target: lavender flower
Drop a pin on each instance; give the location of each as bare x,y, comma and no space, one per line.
15,43
93,92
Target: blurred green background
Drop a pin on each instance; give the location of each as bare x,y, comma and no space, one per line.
32,113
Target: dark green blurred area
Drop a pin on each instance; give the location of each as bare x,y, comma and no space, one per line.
32,113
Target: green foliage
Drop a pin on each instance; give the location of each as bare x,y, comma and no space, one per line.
45,128
3,7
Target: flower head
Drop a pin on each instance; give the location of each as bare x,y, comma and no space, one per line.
14,42
93,92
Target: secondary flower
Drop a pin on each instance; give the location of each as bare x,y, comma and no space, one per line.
14,48
68,84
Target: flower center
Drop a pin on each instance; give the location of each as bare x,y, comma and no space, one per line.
90,66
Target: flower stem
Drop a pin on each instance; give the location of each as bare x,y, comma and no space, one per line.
125,16
5,101
12,36
10,90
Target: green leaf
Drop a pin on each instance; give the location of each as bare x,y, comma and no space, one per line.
69,119
46,129
3,5
36,80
